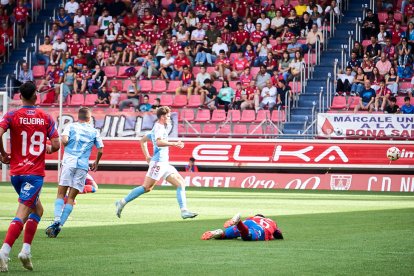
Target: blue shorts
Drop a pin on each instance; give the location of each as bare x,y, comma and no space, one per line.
256,232
28,188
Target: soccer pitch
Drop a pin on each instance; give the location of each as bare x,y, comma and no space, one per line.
327,233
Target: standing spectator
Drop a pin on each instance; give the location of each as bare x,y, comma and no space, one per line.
225,96
208,94
187,83
21,16
191,166
366,98
268,96
344,82
407,108
132,95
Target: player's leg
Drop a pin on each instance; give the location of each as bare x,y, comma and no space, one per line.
136,192
213,234
178,181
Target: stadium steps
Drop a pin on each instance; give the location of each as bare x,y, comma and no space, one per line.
20,51
301,116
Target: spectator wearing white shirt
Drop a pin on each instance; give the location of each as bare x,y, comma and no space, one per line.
276,25
201,77
264,21
79,23
71,7
198,34
268,95
103,22
344,82
58,49
167,65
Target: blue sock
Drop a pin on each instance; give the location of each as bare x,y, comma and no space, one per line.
181,198
136,192
65,214
58,208
34,217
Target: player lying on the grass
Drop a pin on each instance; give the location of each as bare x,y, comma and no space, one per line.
256,228
29,129
78,139
159,166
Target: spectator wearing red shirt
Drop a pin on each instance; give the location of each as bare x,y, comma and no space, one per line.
278,48
200,9
165,21
240,38
6,33
87,8
54,77
257,35
396,34
286,8
148,19
174,46
21,15
155,35
191,167
187,83
222,66
239,64
382,95
69,35
76,46
226,36
246,77
255,10
80,61
129,52
226,8
180,61
141,30
144,47
82,78
249,96
220,20
240,7
131,21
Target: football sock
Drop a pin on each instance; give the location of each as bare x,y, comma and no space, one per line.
136,192
65,214
244,231
59,202
15,228
30,231
5,249
181,198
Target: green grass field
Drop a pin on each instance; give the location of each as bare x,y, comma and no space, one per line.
330,233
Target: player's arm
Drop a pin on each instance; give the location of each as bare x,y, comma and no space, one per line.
94,166
65,140
144,147
5,157
163,143
54,146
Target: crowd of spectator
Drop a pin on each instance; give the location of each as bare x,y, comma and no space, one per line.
196,42
382,61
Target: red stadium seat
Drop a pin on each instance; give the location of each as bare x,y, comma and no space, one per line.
400,101
91,30
90,99
159,86
219,115
271,130
117,84
172,86
239,130
181,129
186,115
224,130
210,69
218,85
97,41
179,101
254,71
38,71
121,72
248,116
146,85
233,116
233,85
209,129
77,100
203,115
278,116
339,102
125,85
152,98
193,129
111,71
123,97
253,131
352,102
166,100
194,101
262,115
196,70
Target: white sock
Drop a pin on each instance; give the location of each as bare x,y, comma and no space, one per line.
6,249
123,202
26,248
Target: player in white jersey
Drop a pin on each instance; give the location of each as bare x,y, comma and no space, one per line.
159,166
78,139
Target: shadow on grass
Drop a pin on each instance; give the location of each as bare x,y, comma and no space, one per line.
366,242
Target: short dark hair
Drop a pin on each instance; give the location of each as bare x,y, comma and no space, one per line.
393,99
207,81
406,98
83,113
27,90
192,159
163,110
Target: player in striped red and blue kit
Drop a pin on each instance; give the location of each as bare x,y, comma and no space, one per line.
256,228
30,127
78,139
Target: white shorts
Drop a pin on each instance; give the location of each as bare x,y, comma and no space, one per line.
157,170
73,177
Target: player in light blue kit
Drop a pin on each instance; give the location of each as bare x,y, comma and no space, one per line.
159,166
78,139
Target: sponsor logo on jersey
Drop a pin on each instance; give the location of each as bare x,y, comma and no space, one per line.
30,112
27,186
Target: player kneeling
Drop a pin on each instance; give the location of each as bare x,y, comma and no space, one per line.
256,228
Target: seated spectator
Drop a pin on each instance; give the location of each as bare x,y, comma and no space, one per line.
68,82
54,33
145,106
250,97
149,67
300,8
262,77
263,48
404,51
82,79
71,7
375,78
132,95
250,54
79,62
344,82
114,97
237,99
54,77
397,33
222,67
246,77
367,65
358,49
389,51
358,83
187,83
285,8
294,46
293,22
283,91
296,66
392,80
79,23
370,25
256,35
333,8
204,53
382,35
313,36
409,34
63,20
219,45
278,48
225,96
270,63
250,27
25,74
129,52
167,66
179,62
156,105
241,38
383,65
392,106
103,22
183,36
103,96
284,65
382,95
268,96
212,33
353,62
58,49
208,94
306,25
117,50
110,34
201,77
366,98
407,108
198,35
374,49
264,22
